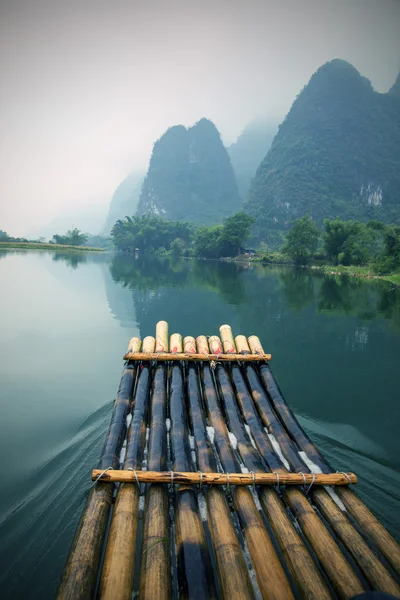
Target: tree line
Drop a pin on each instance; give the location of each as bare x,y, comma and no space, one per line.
153,234
339,243
345,243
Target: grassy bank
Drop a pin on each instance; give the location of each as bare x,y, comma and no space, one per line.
276,258
40,246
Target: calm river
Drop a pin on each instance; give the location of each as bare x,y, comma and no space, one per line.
65,321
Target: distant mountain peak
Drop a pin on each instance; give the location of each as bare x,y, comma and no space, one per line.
335,155
190,176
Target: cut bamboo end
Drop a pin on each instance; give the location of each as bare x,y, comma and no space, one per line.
196,478
175,343
215,344
228,342
134,345
149,344
162,336
189,345
241,344
202,345
255,345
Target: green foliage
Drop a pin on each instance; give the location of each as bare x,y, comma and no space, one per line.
149,233
73,237
302,240
99,241
190,177
389,260
352,242
334,156
3,236
178,247
223,240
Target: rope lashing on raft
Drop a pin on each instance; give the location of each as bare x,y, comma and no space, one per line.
313,480
137,480
100,476
346,475
304,479
277,479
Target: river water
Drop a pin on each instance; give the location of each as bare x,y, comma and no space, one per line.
65,323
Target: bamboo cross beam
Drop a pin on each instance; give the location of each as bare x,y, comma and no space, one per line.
197,478
166,356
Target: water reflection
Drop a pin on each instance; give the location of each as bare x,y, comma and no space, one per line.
72,259
258,287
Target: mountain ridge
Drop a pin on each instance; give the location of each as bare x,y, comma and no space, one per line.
190,177
334,155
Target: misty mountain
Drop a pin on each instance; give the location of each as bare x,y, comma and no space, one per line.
190,177
335,155
89,218
124,201
249,150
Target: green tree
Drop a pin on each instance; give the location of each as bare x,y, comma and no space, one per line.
178,247
73,237
389,260
302,240
3,236
235,231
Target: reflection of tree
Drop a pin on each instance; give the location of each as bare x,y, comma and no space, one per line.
336,295
150,273
298,287
3,253
223,277
389,305
72,259
364,299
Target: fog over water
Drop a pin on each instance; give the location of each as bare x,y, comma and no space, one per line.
87,87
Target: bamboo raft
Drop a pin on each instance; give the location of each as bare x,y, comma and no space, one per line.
207,487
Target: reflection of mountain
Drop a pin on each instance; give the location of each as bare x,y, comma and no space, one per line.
322,332
120,301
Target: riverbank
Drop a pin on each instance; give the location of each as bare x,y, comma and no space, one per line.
353,271
44,246
365,272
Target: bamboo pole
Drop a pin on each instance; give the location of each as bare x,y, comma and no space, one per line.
189,345
270,575
134,345
162,336
117,575
81,570
300,561
149,344
195,576
165,356
375,573
195,478
202,345
227,339
371,528
155,564
215,345
176,343
232,571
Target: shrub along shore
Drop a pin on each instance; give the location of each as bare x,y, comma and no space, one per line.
45,246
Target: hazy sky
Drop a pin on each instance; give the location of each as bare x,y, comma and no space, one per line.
87,86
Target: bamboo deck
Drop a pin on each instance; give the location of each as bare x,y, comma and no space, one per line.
207,487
